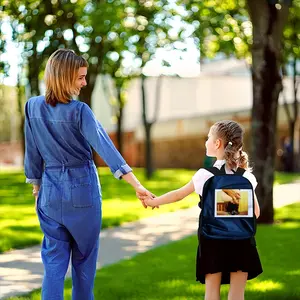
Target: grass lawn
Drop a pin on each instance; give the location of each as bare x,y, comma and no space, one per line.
19,225
168,272
282,178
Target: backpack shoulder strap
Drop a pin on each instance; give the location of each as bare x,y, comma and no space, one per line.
216,171
240,171
213,170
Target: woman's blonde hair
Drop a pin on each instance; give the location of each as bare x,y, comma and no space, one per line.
60,75
231,133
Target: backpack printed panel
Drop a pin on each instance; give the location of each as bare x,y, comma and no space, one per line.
227,204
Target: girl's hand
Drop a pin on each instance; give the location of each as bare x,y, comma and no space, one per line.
151,202
142,194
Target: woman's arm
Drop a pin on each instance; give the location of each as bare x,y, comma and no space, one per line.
98,138
141,192
132,180
172,196
33,162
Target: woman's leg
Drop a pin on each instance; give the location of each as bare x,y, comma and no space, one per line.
85,234
238,282
212,286
83,273
55,255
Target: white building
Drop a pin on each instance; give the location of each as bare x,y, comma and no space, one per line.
223,88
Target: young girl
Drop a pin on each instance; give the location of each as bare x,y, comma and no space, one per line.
221,261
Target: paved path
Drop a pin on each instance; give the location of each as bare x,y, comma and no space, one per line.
21,270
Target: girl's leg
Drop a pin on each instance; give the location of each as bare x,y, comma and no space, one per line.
212,286
238,282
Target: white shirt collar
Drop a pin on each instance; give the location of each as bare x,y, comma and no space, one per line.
219,163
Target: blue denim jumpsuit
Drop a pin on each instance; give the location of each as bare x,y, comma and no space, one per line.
58,157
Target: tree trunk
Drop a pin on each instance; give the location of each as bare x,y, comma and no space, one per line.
148,148
147,127
86,93
33,75
93,71
292,144
22,117
296,116
268,23
120,120
297,145
292,116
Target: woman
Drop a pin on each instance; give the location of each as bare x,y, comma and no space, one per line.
59,135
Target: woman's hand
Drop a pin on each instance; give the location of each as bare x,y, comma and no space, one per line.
35,193
36,198
142,193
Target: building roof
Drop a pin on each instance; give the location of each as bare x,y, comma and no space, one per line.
227,66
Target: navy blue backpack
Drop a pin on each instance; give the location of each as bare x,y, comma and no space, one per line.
227,205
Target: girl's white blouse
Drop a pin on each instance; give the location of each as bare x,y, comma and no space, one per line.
202,175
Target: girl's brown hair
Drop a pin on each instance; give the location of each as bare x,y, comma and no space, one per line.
60,75
231,133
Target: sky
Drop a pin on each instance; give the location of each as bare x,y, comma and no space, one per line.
11,55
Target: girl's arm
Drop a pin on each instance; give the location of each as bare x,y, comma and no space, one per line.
172,196
256,207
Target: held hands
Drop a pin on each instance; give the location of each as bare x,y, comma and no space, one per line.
150,202
144,194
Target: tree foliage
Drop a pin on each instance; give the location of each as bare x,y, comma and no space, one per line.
253,31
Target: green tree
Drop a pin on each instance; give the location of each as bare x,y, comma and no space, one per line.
268,20
144,30
117,98
94,29
150,31
41,27
115,65
88,27
252,31
291,56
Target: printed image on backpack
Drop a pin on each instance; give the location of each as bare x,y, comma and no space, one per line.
233,203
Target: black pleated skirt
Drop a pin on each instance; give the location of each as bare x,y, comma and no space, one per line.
214,256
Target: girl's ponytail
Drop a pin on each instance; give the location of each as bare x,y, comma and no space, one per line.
236,158
230,157
231,133
243,161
